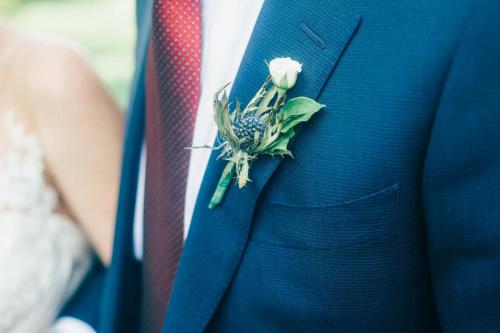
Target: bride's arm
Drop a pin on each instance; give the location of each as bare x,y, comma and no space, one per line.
80,127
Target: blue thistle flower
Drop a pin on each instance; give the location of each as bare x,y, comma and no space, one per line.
245,129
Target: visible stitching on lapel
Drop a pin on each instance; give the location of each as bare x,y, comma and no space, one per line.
311,34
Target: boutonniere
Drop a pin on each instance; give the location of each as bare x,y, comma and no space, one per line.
264,127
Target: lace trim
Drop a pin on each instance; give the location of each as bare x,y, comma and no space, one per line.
22,183
44,255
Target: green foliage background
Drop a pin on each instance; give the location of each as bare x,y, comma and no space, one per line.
105,28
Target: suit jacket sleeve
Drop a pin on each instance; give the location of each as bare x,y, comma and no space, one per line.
461,182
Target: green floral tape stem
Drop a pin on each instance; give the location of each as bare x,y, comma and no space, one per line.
222,186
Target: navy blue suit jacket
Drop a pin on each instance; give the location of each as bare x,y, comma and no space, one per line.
388,218
85,304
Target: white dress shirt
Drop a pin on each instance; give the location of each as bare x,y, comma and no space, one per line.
227,26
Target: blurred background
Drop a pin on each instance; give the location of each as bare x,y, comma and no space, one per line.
105,28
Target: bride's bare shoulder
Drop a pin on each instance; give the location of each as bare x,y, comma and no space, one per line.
51,85
63,85
45,70
61,71
35,73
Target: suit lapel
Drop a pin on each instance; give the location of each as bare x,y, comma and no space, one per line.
313,32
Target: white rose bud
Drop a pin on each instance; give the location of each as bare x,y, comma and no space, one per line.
284,72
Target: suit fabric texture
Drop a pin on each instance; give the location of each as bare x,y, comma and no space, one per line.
388,218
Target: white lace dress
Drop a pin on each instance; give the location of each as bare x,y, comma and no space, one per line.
43,255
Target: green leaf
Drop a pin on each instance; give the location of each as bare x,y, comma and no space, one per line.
243,171
282,153
260,94
280,146
298,110
267,97
226,151
222,118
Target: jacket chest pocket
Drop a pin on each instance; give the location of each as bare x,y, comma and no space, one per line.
328,226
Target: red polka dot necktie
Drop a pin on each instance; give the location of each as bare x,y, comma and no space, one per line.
172,97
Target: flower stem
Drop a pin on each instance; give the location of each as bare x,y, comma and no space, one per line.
268,97
222,186
280,100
